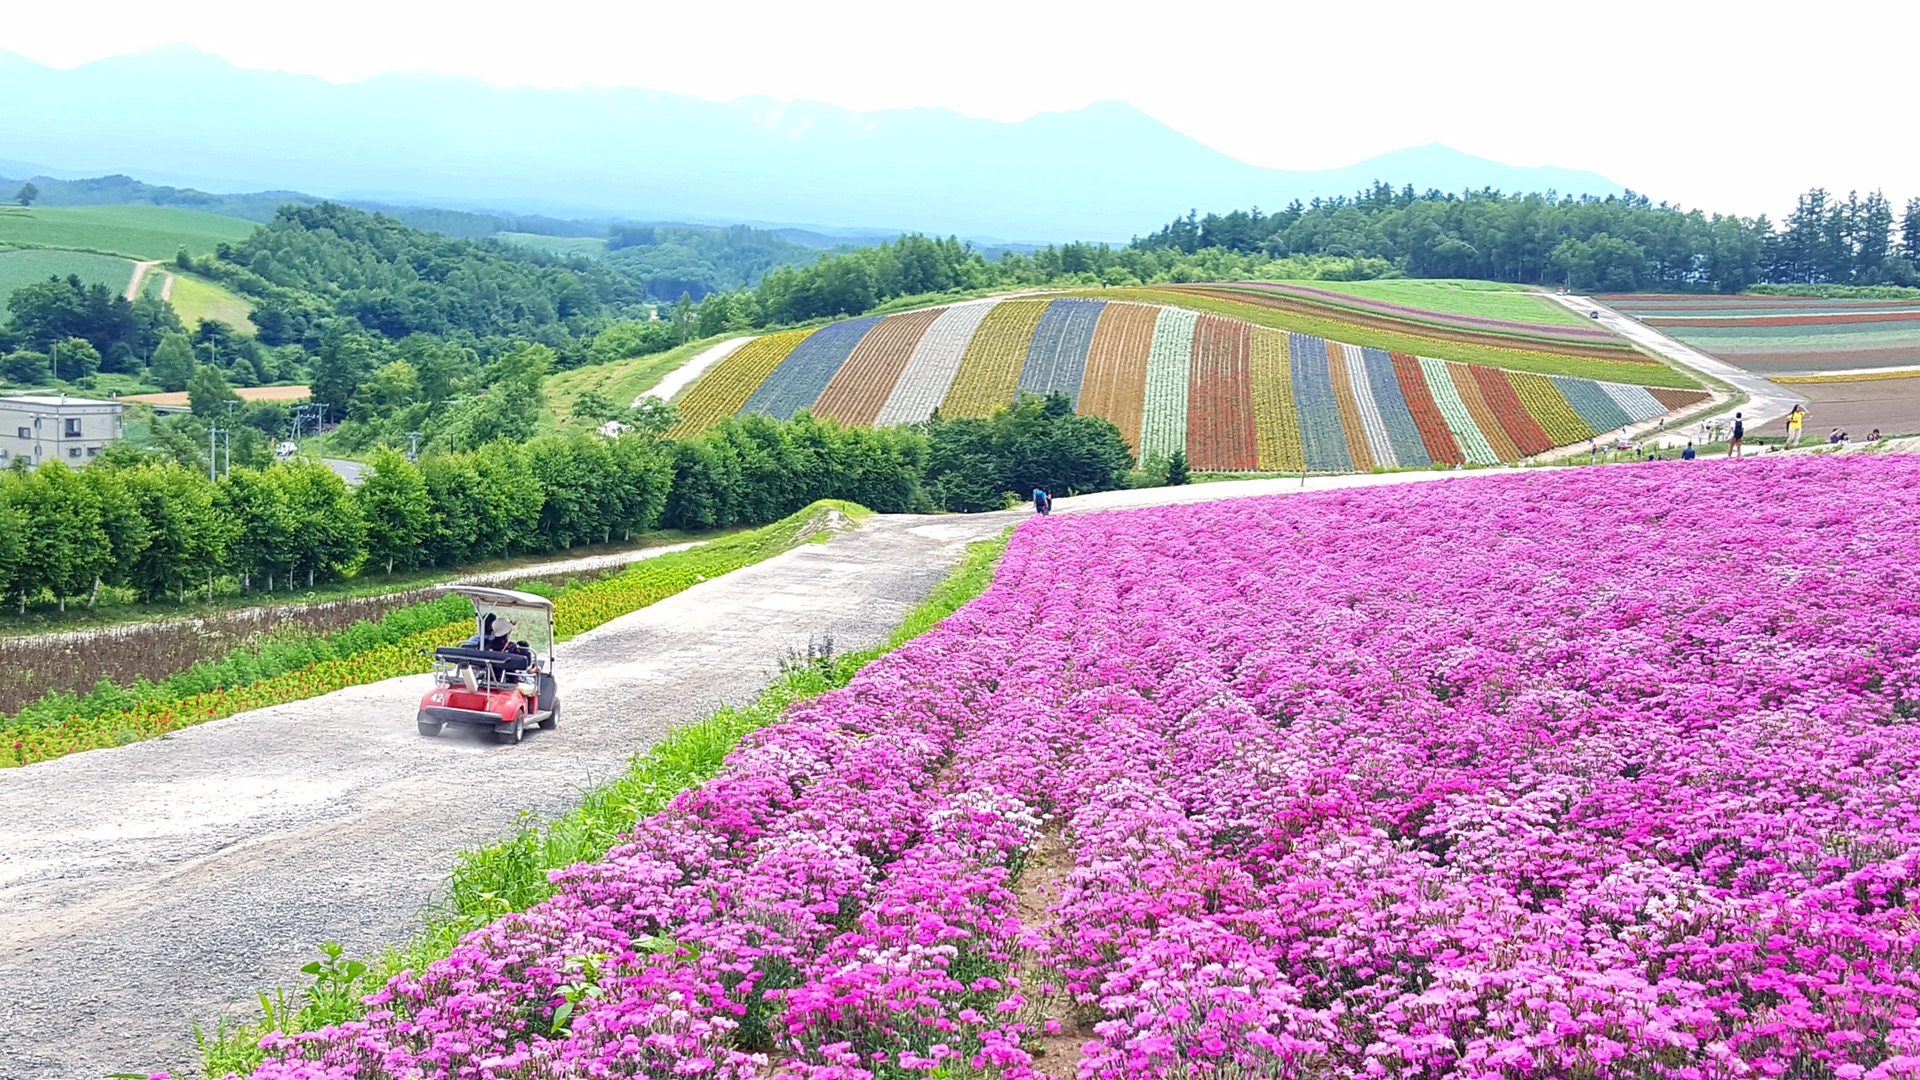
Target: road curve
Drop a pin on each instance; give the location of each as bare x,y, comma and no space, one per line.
161,882
1766,400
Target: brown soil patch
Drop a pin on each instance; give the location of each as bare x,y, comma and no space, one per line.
1892,405
247,393
1041,880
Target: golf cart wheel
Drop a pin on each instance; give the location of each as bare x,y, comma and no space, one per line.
426,726
553,719
511,736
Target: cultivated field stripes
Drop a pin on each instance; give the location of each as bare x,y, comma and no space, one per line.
1549,408
862,385
1163,422
990,369
1276,426
1460,423
1322,442
1440,444
930,370
1512,415
1600,412
1676,399
1115,382
1372,423
1057,356
1220,433
1402,433
722,390
1482,413
1633,400
798,380
1352,427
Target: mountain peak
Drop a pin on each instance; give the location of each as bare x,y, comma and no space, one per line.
1105,171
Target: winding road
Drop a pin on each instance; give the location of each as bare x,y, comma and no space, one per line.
1766,400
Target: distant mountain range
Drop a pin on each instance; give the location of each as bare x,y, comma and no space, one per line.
176,115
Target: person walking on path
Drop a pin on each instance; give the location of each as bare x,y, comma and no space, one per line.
1688,454
1796,420
1739,433
1039,501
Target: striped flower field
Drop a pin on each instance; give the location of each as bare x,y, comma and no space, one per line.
1233,394
1785,335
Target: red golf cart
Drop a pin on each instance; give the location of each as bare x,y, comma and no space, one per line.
501,678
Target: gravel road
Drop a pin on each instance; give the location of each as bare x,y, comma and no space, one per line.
162,882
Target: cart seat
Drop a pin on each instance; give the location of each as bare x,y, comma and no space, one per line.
498,661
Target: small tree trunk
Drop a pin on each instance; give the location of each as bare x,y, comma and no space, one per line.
389,567
94,595
63,604
309,577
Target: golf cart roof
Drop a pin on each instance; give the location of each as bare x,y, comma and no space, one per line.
501,598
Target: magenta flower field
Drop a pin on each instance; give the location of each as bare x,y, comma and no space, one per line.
1602,772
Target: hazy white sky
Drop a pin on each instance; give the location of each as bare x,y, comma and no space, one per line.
1725,106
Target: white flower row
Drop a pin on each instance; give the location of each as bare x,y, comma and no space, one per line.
1454,411
1372,424
1163,423
933,364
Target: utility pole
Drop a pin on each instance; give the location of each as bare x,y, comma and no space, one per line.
213,458
413,446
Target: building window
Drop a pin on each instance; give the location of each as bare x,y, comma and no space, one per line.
73,427
26,433
93,451
73,451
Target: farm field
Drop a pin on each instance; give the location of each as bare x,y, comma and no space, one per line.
1857,406
1785,335
25,266
137,232
591,247
196,299
1234,394
1456,296
1503,776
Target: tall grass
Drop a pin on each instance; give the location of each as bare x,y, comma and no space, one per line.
511,874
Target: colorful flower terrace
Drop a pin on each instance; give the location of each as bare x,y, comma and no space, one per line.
1592,773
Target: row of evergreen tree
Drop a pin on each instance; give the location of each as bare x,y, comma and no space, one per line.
1618,243
161,530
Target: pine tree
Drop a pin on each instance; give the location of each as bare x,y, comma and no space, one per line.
173,363
1177,473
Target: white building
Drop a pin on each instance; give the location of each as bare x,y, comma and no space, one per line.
41,427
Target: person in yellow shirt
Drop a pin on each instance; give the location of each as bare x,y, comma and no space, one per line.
1796,420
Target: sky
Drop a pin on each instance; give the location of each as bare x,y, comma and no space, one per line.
1723,106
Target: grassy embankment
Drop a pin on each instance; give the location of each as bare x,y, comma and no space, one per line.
511,874
279,671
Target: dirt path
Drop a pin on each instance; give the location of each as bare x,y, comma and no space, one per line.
139,274
683,376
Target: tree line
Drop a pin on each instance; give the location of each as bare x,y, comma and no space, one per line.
159,529
1618,243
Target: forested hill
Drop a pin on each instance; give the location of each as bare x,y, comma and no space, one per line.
1619,243
669,260
313,262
